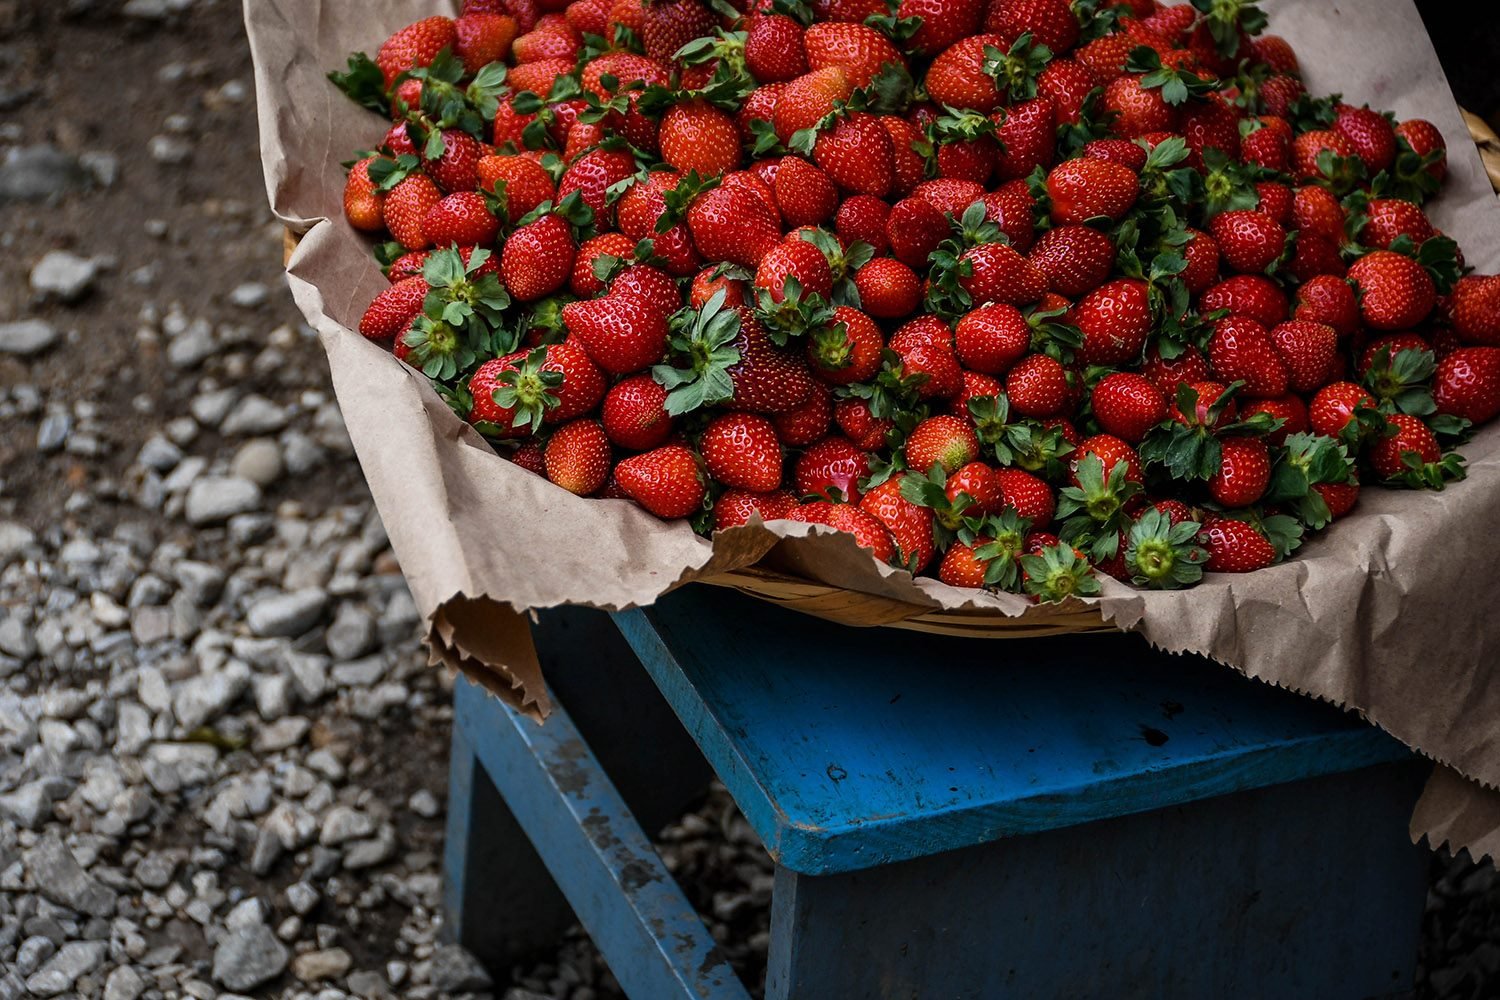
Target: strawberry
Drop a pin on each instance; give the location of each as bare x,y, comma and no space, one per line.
1038,386
537,259
1412,441
593,174
649,286
910,524
737,507
635,415
1268,144
957,77
1085,188
950,195
584,283
997,273
1395,292
1076,259
394,309
808,98
858,49
774,49
1250,241
1138,110
622,334
1235,546
1128,405
1122,151
857,154
766,378
868,531
1167,374
530,456
1388,219
481,39
1329,300
1244,472
698,136
831,469
1340,497
665,481
805,194
1288,409
1467,384
1334,407
943,440
1475,309
1308,350
807,421
1275,52
1027,495
1068,85
1211,124
794,259
414,45
942,22
1426,140
925,349
992,338
518,392
1242,350
1309,147
962,567
544,44
461,219
1202,255
888,289
741,451
363,204
1111,451
1115,319
1370,136
668,25
915,228
1253,295
406,206
520,182
847,351
577,457
909,165
861,217
730,223
857,423
1027,135
1051,22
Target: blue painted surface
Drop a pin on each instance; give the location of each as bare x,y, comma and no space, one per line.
654,942
850,748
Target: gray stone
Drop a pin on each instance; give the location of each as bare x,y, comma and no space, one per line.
155,10
287,614
282,734
27,336
424,804
102,165
214,499
249,957
361,854
366,985
169,150
351,634
255,415
200,581
207,696
250,295
155,870
64,276
360,673
454,970
259,461
343,824
308,674
302,897
14,539
53,431
316,966
124,984
192,346
73,960
31,805
34,951
37,173
160,454
17,639
59,877
210,408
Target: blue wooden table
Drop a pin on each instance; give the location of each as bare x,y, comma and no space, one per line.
1077,817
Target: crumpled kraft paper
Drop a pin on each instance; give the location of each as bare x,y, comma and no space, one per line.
1388,613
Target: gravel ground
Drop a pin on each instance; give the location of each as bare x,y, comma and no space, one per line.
217,732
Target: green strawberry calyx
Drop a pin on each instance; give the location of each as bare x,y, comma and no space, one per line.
702,347
1057,572
1164,555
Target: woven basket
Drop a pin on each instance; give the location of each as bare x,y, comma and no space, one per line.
850,607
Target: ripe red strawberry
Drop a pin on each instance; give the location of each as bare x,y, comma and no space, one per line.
460,219
767,378
737,507
698,136
910,524
666,481
480,39
1115,319
1086,188
1241,349
868,531
1467,384
848,351
1395,293
1050,22
521,391
1128,405
649,286
861,426
856,152
1212,123
925,348
621,333
957,77
1111,451
523,182
1139,110
1425,139
406,206
1167,375
546,43
668,25
741,451
363,204
961,567
1289,409
805,194
1475,309
1329,300
831,469
593,174
635,415
915,229
414,45
1235,546
730,223
1076,259
992,338
1334,407
1202,254
1371,136
997,273
943,440
583,282
1038,387
1029,496
1252,295
577,457
1244,472
808,98
1249,240
808,421
950,195
943,22
1027,134
1388,219
794,258
773,48
1268,144
537,259
394,309
1122,151
1068,84
860,217
1309,351
1308,148
457,169
858,49
1106,56
530,456
888,289
1388,454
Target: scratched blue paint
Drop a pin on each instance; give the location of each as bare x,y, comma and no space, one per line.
850,748
648,932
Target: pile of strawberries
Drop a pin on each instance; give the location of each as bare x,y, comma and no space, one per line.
1011,290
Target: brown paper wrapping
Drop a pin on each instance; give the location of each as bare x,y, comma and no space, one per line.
1386,614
